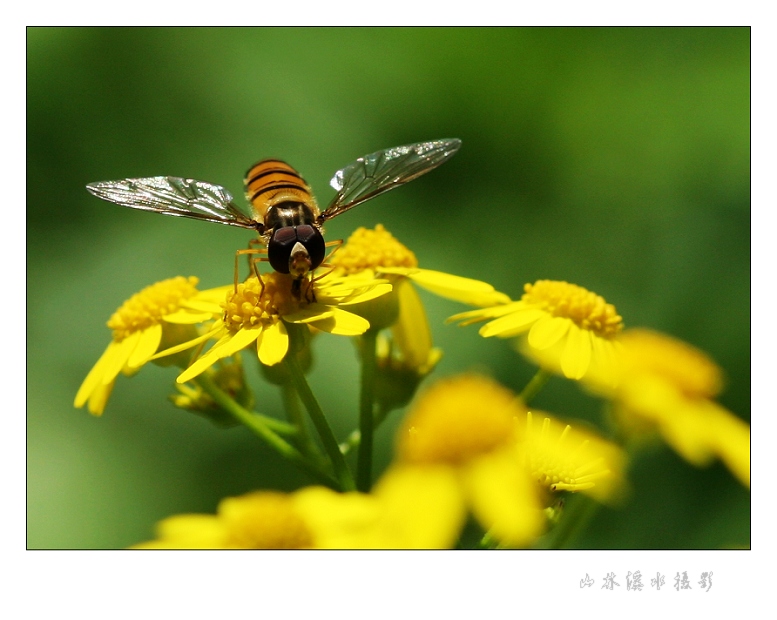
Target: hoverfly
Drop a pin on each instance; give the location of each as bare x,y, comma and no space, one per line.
283,210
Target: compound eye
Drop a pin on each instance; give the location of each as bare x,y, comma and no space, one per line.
279,248
313,240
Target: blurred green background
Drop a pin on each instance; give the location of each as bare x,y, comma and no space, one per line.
617,159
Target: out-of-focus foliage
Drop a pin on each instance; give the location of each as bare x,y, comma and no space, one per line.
617,159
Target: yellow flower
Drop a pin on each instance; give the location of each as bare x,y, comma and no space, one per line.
402,511
563,458
258,520
369,252
319,518
667,385
259,312
568,329
460,438
159,316
377,253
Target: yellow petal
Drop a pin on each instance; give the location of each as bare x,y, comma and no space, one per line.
343,323
217,329
339,520
99,398
731,438
359,295
224,348
512,324
187,317
188,531
210,296
412,335
96,375
119,356
483,314
467,290
239,341
547,331
504,498
309,314
680,421
147,345
605,371
273,344
423,507
409,508
577,353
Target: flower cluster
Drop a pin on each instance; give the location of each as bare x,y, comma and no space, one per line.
655,382
467,445
470,453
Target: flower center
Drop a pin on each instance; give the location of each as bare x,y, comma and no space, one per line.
147,307
458,419
253,304
588,310
264,520
552,462
371,249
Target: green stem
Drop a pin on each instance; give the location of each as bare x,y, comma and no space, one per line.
366,411
319,420
292,406
258,425
532,388
573,521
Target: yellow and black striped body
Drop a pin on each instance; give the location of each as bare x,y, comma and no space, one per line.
272,182
282,201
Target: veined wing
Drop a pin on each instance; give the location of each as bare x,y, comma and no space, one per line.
175,196
380,172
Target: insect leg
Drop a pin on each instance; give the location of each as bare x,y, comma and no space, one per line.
338,244
252,264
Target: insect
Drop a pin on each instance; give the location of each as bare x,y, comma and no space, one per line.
283,210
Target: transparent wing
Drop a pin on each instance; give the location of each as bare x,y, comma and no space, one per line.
175,196
380,172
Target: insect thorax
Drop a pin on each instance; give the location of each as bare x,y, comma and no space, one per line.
288,213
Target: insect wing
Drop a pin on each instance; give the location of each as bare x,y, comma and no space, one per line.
380,172
174,196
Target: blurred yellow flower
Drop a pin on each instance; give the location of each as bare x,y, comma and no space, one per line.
398,514
460,438
159,316
569,330
259,311
258,520
403,511
563,458
667,385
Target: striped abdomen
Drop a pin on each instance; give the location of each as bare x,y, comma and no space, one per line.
271,182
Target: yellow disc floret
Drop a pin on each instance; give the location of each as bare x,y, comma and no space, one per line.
371,249
588,310
254,303
458,419
147,307
264,520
